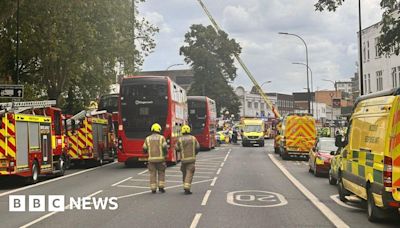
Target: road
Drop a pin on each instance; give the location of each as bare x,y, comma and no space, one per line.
233,187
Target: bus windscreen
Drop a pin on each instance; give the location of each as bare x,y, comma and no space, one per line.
109,103
143,104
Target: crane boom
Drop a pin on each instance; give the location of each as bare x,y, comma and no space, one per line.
240,61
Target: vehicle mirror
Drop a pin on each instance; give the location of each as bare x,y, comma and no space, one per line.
73,126
332,153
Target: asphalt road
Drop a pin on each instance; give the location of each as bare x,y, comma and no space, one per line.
233,186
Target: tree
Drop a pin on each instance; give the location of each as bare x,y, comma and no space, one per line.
211,57
389,40
74,46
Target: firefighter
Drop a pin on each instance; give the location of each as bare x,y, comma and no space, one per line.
188,146
156,147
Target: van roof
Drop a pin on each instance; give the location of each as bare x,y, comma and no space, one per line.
391,92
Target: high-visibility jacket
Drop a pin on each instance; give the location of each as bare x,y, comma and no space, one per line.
156,147
188,146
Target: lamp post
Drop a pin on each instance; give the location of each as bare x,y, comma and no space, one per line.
17,48
308,80
312,83
361,76
176,64
264,83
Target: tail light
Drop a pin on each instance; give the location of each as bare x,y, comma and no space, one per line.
387,172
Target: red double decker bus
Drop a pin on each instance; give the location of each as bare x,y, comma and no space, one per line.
203,120
145,100
109,102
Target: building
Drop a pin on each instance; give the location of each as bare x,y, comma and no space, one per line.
183,78
380,72
284,102
301,100
355,90
320,110
253,105
345,86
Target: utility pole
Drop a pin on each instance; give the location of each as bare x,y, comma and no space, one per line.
133,33
361,76
17,49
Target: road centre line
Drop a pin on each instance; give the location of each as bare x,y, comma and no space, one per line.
54,212
147,180
205,198
213,182
226,156
170,187
196,220
329,214
219,171
119,182
222,164
53,180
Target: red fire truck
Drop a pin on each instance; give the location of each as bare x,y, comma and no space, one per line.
31,140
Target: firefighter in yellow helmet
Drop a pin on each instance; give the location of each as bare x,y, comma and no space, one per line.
156,148
188,146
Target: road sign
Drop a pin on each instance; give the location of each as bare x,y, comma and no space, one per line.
256,198
11,91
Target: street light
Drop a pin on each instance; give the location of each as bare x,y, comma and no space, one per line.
333,82
177,64
266,82
308,80
312,82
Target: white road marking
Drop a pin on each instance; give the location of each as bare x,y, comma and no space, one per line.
337,200
213,169
213,182
131,186
170,187
54,180
208,159
205,198
196,220
147,180
329,214
270,199
54,212
172,175
222,164
143,172
119,182
207,162
219,171
207,166
226,156
173,171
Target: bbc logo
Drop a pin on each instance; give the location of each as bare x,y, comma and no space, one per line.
36,203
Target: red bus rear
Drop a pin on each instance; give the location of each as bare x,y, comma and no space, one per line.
145,100
203,120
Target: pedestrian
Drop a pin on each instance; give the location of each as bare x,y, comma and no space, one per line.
188,146
156,147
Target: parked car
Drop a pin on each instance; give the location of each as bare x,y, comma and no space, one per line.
321,155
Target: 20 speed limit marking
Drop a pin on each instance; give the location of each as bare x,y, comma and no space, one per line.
255,198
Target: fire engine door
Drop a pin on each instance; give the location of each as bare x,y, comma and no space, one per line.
45,139
21,132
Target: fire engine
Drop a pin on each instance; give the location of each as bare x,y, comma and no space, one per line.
31,140
91,137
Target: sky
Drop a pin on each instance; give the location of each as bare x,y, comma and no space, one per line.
331,38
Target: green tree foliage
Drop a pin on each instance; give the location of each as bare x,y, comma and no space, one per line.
389,40
212,59
71,48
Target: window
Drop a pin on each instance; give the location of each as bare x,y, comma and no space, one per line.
369,83
262,106
365,84
367,50
379,81
377,55
394,77
249,104
364,52
255,105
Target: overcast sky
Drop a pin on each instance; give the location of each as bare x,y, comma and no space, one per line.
331,37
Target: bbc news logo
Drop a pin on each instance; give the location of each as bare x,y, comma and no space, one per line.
56,203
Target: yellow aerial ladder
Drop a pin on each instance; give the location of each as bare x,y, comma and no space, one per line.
267,101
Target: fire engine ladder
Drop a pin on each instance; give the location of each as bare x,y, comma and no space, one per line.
18,107
240,61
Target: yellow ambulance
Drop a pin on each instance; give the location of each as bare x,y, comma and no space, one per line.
370,165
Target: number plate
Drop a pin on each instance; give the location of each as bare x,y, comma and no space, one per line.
142,159
253,141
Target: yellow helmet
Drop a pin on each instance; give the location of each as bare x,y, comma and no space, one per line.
185,129
156,128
